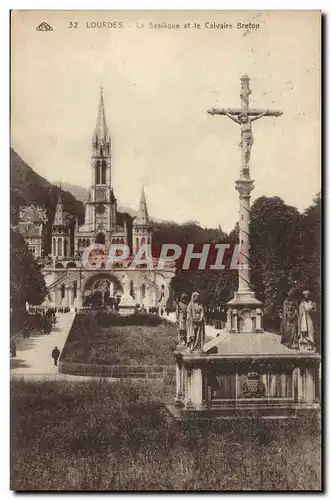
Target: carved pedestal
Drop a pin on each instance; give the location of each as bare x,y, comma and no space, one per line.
245,314
281,384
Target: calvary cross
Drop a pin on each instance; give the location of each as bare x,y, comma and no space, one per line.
244,116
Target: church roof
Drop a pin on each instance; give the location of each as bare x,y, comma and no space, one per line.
142,218
29,230
101,133
31,214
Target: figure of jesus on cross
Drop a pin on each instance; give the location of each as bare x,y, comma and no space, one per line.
244,302
244,117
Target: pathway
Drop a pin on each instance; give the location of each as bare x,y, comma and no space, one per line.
33,358
33,355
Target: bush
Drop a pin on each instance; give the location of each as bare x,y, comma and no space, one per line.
111,339
106,319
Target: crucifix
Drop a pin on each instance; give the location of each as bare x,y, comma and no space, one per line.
245,313
244,116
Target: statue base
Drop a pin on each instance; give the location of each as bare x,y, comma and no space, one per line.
126,305
253,376
127,300
245,313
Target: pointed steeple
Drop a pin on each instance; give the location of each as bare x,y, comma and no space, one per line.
59,212
142,219
101,133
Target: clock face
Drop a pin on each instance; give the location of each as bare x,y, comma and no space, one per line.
100,209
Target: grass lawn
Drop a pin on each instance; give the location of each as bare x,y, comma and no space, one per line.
93,340
102,436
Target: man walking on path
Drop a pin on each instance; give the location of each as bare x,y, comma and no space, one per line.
55,355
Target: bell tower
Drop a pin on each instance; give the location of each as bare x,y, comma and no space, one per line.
101,149
101,207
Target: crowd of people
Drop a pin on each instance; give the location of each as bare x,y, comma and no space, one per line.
39,319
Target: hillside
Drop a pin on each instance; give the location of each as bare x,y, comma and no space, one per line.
27,187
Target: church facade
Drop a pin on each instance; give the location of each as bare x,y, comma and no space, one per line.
69,282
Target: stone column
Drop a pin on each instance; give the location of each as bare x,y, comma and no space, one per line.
234,321
137,289
59,297
299,378
309,375
198,396
244,298
79,299
188,391
67,295
71,296
179,383
244,186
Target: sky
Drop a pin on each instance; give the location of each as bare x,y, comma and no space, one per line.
158,85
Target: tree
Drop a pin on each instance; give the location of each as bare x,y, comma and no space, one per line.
27,283
311,239
276,252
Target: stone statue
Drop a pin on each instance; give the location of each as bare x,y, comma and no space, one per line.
126,285
103,285
305,323
245,122
195,323
289,323
181,316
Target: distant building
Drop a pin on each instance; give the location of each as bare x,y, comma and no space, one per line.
69,283
32,224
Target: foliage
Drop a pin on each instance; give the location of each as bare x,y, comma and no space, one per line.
285,254
27,283
96,436
104,339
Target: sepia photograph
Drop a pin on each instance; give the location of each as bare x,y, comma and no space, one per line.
165,251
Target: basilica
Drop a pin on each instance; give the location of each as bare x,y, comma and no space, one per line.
70,284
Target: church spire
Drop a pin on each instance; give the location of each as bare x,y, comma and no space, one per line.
142,218
101,133
59,215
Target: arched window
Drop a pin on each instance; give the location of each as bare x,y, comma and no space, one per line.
75,289
54,246
97,172
143,291
59,247
137,244
63,291
71,265
58,265
100,238
88,242
122,241
65,247
103,172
